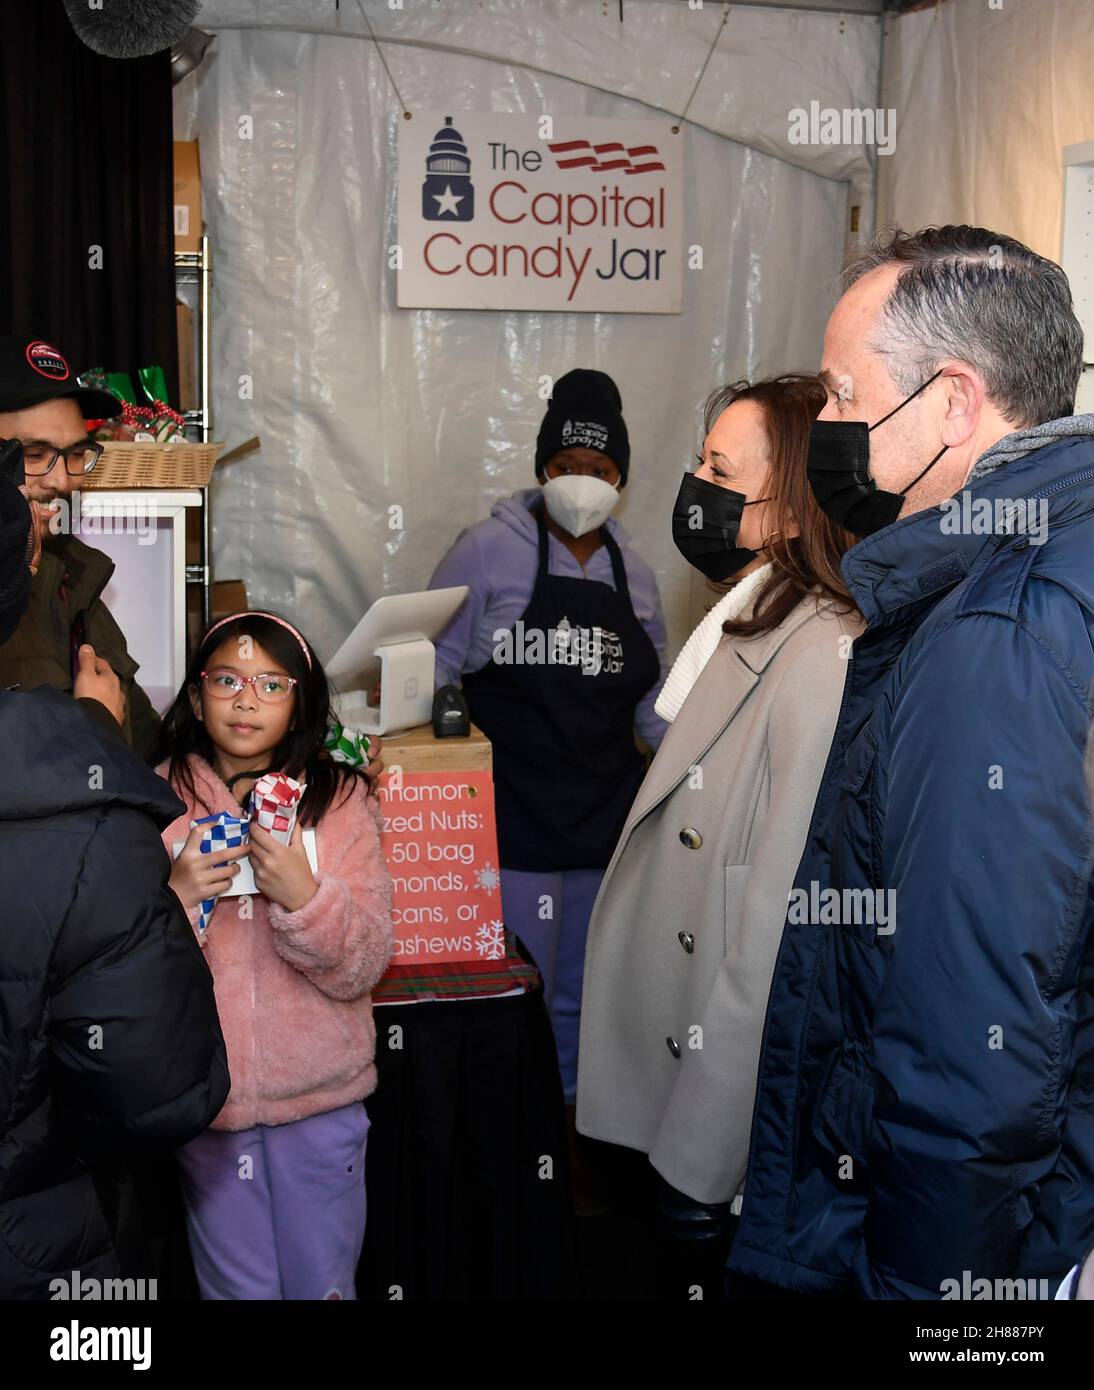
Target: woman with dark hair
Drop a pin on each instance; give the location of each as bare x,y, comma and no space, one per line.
293,968
686,927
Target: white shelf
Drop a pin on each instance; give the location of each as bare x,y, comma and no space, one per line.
139,499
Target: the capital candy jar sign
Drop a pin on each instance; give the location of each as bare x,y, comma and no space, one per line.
536,212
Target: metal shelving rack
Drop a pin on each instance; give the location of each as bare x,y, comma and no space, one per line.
196,268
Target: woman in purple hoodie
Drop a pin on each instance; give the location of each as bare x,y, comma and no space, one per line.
560,651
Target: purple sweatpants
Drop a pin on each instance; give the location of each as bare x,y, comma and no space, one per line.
278,1211
550,913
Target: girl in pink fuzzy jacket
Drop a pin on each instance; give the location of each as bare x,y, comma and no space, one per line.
275,1189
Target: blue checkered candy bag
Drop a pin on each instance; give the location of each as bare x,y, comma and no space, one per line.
222,831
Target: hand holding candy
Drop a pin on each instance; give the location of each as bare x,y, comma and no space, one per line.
349,745
278,859
206,865
199,876
282,872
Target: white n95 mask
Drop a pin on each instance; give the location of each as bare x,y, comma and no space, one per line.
579,503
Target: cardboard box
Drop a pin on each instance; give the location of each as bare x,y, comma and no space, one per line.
229,596
420,750
188,223
188,374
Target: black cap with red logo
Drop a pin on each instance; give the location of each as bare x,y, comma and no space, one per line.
33,370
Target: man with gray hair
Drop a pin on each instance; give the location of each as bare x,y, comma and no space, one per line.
925,1104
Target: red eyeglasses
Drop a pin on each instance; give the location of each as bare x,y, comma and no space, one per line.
270,687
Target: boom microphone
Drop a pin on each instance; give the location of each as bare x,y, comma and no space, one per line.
131,28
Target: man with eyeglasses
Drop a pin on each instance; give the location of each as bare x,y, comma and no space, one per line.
67,637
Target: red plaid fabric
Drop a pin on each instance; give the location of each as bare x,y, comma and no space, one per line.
404,984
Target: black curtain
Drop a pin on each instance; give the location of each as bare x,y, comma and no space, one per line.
86,161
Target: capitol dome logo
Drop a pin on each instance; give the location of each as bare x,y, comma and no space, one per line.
448,194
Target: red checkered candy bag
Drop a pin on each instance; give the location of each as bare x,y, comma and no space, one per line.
274,801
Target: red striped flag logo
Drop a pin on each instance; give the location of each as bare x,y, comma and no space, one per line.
604,158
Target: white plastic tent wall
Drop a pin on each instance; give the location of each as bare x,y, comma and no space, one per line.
362,406
987,96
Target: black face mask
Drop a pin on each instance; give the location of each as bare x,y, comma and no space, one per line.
839,472
711,545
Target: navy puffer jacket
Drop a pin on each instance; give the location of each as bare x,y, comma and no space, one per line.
109,1039
926,1090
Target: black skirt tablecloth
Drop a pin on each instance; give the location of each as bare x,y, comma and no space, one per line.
466,1169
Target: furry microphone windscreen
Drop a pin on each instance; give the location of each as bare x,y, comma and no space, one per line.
131,28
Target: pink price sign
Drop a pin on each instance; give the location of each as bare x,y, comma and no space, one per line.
439,836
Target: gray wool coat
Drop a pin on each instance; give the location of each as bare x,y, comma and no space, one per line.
687,923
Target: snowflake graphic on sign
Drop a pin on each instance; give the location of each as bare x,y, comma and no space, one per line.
490,940
488,879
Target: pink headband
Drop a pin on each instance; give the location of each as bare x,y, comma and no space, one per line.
258,613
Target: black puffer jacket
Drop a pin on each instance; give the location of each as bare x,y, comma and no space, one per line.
109,1039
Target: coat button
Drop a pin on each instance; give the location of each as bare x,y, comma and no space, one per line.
690,837
673,1046
686,940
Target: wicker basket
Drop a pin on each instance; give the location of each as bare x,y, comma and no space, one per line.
152,465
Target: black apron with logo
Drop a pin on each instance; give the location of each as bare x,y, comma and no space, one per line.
557,701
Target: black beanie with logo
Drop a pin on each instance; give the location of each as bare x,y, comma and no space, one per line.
585,412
